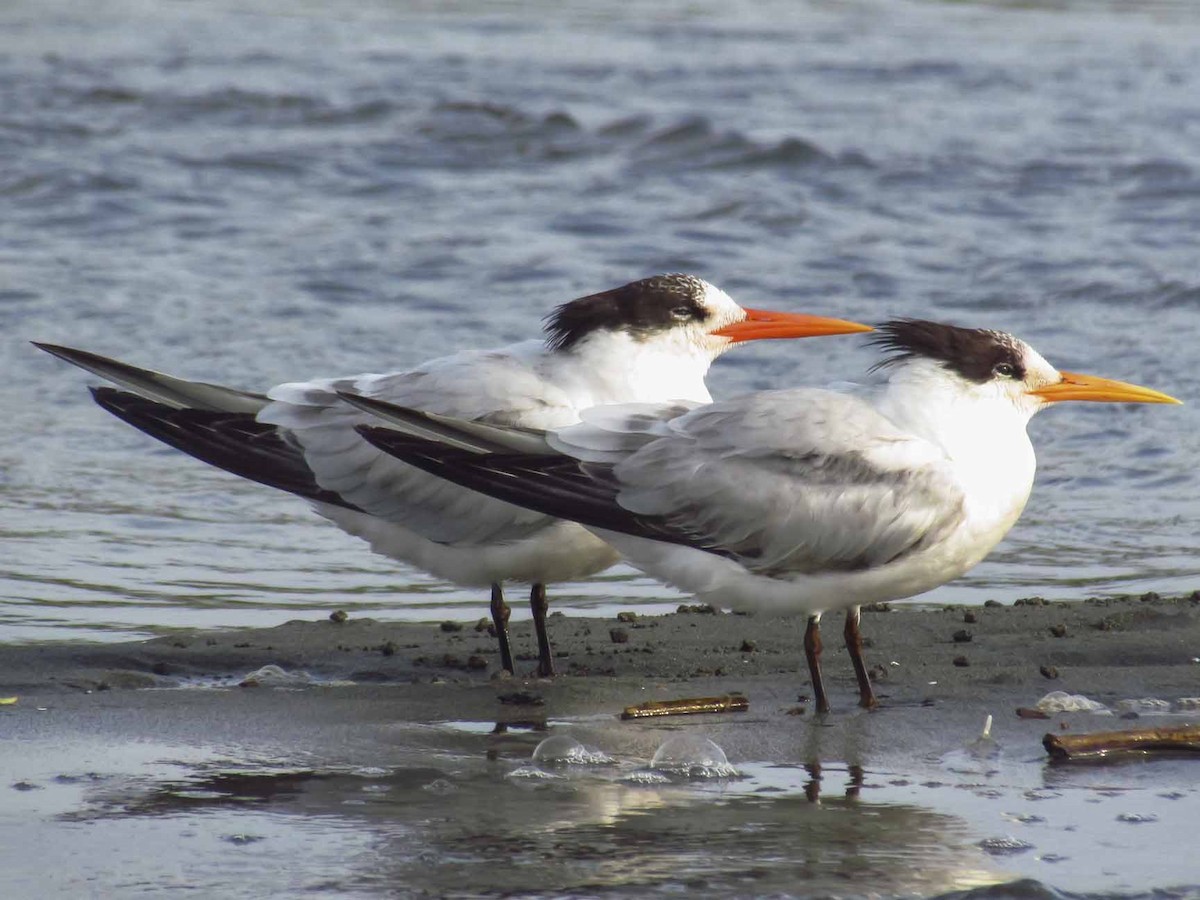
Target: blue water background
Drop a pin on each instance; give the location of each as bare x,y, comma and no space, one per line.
249,194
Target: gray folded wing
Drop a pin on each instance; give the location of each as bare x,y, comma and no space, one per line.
301,437
485,386
783,482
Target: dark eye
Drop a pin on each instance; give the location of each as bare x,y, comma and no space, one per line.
681,313
1004,370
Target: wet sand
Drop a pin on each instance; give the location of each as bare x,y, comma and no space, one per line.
132,733
988,659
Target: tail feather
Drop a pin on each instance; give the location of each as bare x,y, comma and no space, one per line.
233,441
166,389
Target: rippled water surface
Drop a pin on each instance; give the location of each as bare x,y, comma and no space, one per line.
247,195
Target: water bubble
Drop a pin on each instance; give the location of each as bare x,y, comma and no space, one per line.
692,756
564,750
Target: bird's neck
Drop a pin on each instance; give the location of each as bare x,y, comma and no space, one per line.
614,367
985,441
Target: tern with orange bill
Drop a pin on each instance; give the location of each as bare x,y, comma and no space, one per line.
800,501
649,341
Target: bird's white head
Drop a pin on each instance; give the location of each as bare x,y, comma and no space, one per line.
992,367
679,314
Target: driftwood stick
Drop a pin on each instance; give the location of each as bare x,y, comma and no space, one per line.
692,706
1100,744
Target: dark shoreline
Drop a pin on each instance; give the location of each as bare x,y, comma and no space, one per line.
993,656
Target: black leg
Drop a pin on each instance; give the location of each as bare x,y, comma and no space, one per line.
500,614
812,652
540,605
866,694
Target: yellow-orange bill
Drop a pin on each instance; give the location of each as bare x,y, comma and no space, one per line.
761,324
1088,387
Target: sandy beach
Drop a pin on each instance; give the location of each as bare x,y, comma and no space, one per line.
980,657
371,723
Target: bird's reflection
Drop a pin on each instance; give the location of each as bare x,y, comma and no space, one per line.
855,778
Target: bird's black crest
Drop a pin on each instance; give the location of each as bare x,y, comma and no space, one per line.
642,307
974,353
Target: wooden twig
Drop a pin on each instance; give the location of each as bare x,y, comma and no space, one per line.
1101,744
689,707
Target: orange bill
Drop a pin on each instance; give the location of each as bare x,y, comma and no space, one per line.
1088,387
761,324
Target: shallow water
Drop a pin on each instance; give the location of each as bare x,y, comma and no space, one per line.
450,808
247,196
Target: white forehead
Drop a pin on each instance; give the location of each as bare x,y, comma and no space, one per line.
1037,369
719,303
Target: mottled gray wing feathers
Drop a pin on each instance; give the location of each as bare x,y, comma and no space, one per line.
799,481
301,438
783,482
494,384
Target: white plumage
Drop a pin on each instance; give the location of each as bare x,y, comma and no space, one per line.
802,501
648,341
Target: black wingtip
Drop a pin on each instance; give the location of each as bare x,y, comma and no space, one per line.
233,441
389,440
53,349
85,359
552,484
105,395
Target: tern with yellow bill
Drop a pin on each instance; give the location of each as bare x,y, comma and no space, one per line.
799,501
